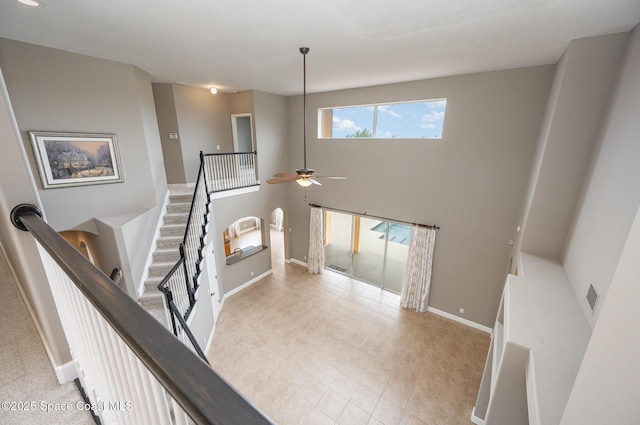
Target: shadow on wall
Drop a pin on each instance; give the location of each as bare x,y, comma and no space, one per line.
84,242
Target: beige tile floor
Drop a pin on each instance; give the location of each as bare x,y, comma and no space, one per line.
325,349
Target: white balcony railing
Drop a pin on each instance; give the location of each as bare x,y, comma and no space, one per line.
227,171
133,370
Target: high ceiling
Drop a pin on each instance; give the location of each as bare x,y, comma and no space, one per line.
253,44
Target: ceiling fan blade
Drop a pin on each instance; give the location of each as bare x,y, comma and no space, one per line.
284,178
283,174
331,177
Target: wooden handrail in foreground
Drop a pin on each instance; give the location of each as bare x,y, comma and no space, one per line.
205,396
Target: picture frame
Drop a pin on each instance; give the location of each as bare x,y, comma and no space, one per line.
76,159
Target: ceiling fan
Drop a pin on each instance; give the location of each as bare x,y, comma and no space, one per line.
304,176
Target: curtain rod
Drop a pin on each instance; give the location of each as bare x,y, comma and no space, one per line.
428,226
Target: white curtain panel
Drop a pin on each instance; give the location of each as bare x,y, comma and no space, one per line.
417,277
315,258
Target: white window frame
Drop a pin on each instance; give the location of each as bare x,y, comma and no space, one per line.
325,127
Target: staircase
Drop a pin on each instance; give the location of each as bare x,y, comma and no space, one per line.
167,252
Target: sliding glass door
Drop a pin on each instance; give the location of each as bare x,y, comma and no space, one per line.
338,251
367,249
398,240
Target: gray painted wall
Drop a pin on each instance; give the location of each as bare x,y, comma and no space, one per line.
62,91
611,193
20,247
168,123
270,122
204,121
608,383
201,320
582,88
146,108
471,183
604,245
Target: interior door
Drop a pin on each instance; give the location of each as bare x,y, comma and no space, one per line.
214,285
242,132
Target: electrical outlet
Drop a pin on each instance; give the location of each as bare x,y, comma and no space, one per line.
251,273
461,310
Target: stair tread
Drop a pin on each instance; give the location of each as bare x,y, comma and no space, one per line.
163,262
166,250
166,253
153,281
166,238
173,225
150,295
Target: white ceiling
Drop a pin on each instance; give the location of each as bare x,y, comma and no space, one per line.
253,44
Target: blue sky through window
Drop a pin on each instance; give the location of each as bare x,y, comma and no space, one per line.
409,120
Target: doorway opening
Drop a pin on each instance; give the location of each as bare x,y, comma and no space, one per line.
276,228
242,133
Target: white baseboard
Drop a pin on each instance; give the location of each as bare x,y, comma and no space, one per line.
476,420
459,319
296,261
210,340
152,246
66,372
246,285
430,309
229,294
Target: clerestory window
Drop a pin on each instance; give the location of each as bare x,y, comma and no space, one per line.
422,119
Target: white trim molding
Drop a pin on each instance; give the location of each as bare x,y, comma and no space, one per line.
245,285
66,372
296,261
235,192
476,420
210,340
152,246
460,320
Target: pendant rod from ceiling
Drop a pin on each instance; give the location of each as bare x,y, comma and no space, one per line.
304,51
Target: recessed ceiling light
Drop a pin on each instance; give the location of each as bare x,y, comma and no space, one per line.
29,2
213,90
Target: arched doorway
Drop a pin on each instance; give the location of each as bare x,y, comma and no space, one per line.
276,229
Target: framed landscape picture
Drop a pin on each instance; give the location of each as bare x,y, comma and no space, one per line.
75,159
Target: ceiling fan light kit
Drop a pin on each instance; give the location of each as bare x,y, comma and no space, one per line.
304,176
